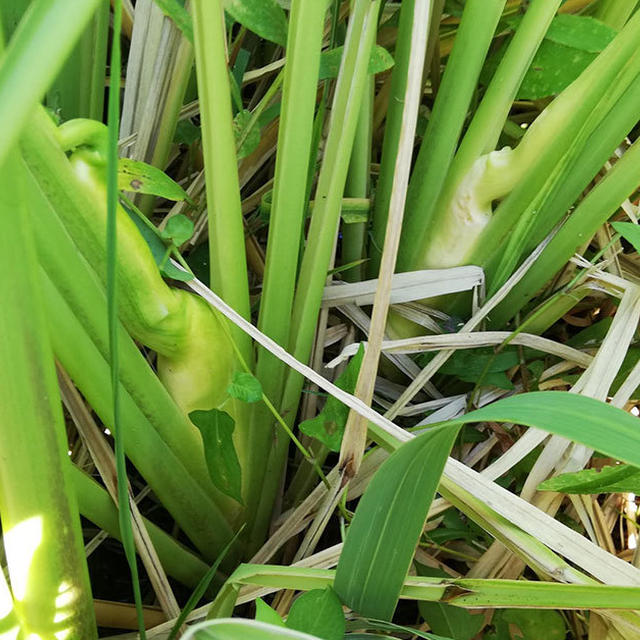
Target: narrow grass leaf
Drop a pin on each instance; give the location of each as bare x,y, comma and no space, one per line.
318,612
630,232
372,568
140,177
265,18
619,479
124,510
596,424
217,428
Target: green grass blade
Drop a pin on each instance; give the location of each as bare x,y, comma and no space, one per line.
285,229
124,509
479,21
228,266
372,568
34,56
40,524
596,424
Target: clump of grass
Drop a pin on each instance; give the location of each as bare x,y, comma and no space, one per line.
192,291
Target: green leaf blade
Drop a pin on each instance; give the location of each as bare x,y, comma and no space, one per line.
216,428
372,568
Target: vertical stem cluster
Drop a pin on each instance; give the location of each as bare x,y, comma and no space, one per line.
41,527
228,266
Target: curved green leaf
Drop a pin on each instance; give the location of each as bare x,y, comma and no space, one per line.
265,18
600,426
623,478
216,428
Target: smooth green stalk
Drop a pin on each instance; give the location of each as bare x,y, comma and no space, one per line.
96,504
228,265
615,13
122,487
78,91
41,527
391,140
603,200
460,592
540,153
488,121
295,134
600,146
354,235
316,261
40,45
474,36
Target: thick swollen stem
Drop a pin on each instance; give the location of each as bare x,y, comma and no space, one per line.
170,321
40,523
522,175
473,39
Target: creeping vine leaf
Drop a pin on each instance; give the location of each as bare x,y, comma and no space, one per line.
265,18
178,229
216,428
328,426
245,387
319,613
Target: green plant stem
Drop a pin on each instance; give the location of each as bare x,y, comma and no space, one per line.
41,527
228,266
391,136
72,98
473,38
600,146
96,504
33,58
295,133
565,122
603,200
122,488
354,235
323,229
615,13
488,121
